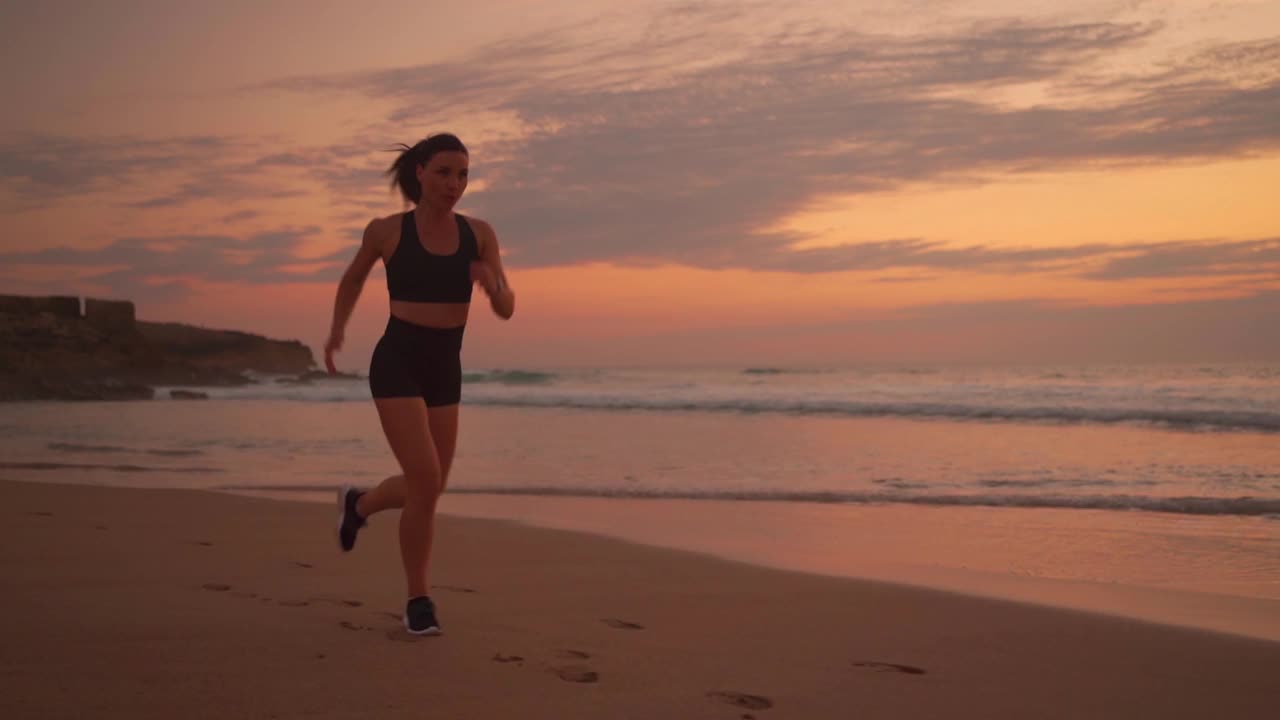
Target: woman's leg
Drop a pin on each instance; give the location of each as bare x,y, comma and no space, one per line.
407,428
389,494
444,431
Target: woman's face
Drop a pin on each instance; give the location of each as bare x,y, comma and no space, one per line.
443,178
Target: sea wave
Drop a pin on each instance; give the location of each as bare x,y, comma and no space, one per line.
534,389
1183,505
120,467
81,448
1177,418
1187,505
509,377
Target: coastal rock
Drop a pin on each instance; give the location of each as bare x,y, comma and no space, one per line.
15,388
227,350
311,376
50,350
188,395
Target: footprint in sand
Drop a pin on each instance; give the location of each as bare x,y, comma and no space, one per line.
742,700
345,624
621,624
891,667
338,601
395,635
576,674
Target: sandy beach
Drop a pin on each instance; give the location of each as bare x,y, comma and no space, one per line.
180,603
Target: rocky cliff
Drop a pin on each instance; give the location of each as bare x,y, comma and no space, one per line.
51,349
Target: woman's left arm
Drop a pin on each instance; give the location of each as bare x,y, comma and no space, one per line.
493,278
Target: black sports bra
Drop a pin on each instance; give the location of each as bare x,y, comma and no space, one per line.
415,275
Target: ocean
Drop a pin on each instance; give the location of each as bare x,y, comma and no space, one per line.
1165,478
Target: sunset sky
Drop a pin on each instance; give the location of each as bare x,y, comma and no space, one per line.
842,181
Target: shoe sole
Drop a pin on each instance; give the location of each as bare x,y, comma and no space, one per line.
342,513
433,630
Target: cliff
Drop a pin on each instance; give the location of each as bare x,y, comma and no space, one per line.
52,350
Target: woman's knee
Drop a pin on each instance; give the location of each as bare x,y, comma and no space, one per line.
423,486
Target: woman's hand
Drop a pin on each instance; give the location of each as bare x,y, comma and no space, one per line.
332,345
484,276
488,273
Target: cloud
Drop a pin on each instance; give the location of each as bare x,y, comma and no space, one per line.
1016,331
1254,62
640,152
1230,329
54,167
1198,259
140,264
1091,261
919,253
1028,329
41,171
240,215
132,263
678,141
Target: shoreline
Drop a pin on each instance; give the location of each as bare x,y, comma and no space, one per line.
147,603
1254,615
882,544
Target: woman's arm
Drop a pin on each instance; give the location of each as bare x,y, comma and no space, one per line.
349,288
491,276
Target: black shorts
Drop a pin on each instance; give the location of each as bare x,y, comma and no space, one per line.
417,361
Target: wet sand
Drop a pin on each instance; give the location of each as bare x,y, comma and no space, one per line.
181,603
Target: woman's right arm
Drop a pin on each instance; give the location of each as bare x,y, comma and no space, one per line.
349,288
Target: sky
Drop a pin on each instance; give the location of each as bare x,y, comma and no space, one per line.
687,183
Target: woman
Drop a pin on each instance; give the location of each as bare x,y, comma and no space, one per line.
433,257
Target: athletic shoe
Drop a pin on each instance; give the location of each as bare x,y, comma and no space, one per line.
420,616
349,521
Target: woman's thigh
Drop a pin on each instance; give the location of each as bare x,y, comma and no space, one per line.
407,426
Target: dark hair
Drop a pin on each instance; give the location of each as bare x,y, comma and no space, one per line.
403,171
